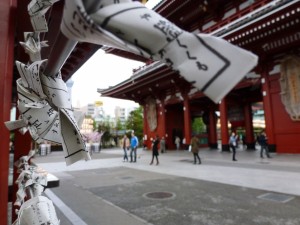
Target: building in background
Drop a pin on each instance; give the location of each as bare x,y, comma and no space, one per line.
120,115
87,126
95,111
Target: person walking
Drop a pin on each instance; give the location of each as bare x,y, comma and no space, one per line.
263,142
155,153
162,145
125,145
195,149
177,142
133,144
232,144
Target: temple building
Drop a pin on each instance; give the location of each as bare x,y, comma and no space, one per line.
266,28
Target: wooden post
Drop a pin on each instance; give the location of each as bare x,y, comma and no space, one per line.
162,113
22,148
145,127
187,120
213,139
250,141
268,110
7,24
224,125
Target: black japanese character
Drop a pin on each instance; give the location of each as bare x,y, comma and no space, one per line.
146,16
37,124
50,112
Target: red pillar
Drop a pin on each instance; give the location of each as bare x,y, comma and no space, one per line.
22,148
213,140
268,108
250,141
187,120
7,24
162,113
224,125
145,127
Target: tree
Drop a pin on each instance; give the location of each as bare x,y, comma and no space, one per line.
119,125
135,122
198,126
105,127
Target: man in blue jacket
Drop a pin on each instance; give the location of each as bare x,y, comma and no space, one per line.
134,144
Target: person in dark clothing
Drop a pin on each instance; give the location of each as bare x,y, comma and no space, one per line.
263,142
232,144
155,154
195,149
244,141
163,145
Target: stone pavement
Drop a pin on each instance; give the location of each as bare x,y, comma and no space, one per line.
107,191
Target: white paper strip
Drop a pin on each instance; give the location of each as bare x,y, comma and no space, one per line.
44,122
212,64
136,24
39,7
32,46
37,211
31,182
41,118
37,10
72,141
77,25
31,77
56,90
14,125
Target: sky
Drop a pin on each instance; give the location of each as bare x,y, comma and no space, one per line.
101,71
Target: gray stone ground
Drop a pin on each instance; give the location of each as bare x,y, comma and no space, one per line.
107,191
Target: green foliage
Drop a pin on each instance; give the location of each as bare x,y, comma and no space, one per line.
135,122
12,136
94,125
198,126
105,127
120,125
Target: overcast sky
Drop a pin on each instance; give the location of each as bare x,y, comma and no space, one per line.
101,71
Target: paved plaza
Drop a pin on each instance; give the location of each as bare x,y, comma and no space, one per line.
108,191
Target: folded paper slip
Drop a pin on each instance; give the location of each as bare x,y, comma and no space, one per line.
37,211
